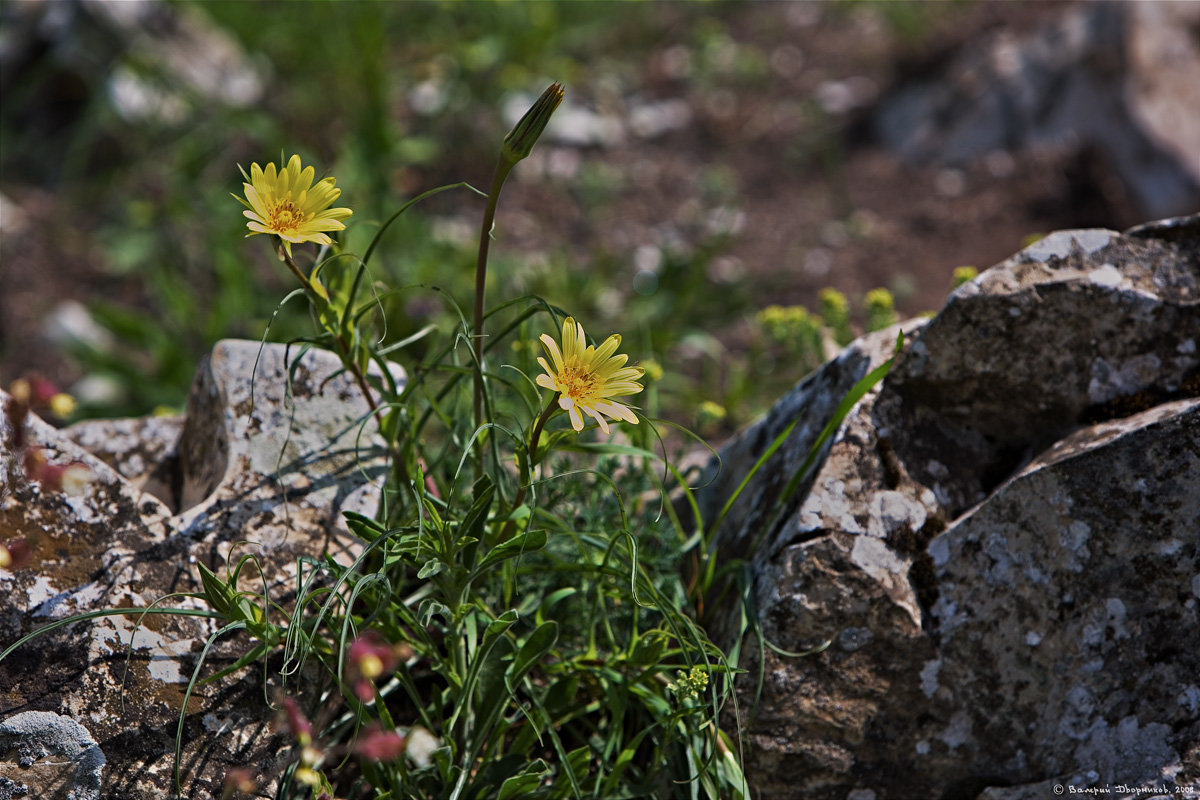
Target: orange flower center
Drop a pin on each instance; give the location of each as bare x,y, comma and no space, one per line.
285,216
578,383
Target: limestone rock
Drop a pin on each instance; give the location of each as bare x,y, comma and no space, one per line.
1068,608
36,735
1000,550
228,482
1120,77
141,450
1080,326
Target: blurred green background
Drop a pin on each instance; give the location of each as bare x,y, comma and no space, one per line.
694,193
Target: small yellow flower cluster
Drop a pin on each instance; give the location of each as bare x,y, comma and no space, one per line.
835,309
711,412
963,275
880,299
881,309
833,302
690,685
787,324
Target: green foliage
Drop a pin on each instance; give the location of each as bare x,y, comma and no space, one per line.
526,580
804,340
518,622
546,640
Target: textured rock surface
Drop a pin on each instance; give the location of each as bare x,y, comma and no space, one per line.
228,476
40,740
1001,546
1118,77
1068,611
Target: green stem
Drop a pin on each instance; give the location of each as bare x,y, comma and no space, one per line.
503,167
343,348
534,438
348,361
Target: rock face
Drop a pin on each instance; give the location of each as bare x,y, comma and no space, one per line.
1122,78
105,694
1001,545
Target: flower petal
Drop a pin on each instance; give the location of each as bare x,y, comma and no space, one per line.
571,337
555,356
616,411
594,414
604,351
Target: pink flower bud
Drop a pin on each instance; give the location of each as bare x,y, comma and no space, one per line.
297,723
377,744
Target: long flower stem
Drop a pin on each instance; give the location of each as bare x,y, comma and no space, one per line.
517,145
343,348
503,167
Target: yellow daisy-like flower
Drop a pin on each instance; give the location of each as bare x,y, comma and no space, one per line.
587,377
287,204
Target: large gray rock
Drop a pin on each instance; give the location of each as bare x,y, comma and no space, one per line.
274,447
1067,614
1000,546
1122,78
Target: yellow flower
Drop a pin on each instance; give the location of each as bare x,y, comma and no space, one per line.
963,275
712,412
62,405
653,370
287,204
586,377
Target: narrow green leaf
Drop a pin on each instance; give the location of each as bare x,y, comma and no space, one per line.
364,527
525,782
219,595
431,568
536,646
525,543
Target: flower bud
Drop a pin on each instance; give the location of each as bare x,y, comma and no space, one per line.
15,553
520,140
378,744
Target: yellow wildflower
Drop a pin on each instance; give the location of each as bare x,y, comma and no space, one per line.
653,370
963,275
287,204
587,377
62,405
712,412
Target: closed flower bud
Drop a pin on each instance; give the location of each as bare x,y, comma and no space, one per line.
520,140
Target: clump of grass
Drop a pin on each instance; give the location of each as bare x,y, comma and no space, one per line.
514,625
